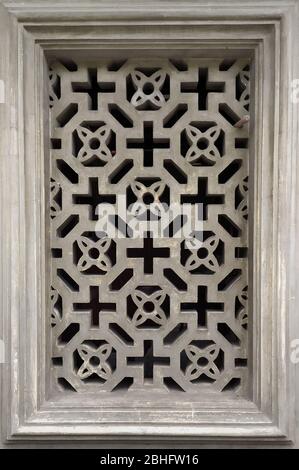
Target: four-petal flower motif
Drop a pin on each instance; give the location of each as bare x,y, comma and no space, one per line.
149,307
54,206
202,362
94,143
202,144
94,361
148,88
54,80
93,253
243,301
55,316
147,198
243,205
204,255
244,79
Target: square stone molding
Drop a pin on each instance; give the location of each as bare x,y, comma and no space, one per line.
31,33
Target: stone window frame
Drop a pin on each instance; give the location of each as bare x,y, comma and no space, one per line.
268,31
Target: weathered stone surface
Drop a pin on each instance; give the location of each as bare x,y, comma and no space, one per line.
149,313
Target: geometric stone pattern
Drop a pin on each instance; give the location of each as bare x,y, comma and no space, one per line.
149,313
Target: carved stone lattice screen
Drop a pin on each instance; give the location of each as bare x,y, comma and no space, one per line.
160,313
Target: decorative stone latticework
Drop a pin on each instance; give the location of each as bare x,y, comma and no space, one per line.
149,313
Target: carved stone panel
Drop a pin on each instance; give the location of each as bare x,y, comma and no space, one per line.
144,138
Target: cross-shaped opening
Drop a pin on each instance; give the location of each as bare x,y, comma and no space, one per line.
92,87
202,306
94,306
202,87
93,198
148,143
202,197
148,360
148,253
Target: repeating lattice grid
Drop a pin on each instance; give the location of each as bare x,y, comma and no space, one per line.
149,313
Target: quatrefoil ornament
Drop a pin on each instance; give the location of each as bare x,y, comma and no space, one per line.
243,205
242,298
147,198
149,307
148,88
54,206
53,81
202,362
203,254
94,144
55,317
94,361
202,144
93,253
244,78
